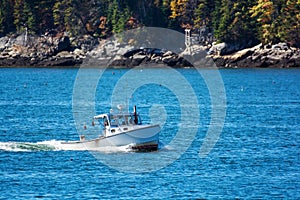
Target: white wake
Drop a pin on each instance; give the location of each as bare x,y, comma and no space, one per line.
55,145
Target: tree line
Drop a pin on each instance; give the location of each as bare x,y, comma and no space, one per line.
244,22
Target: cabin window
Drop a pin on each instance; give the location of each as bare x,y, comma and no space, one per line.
122,120
114,121
131,120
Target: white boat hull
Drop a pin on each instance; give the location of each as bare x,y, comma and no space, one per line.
144,138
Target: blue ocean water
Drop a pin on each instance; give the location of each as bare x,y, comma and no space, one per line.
256,155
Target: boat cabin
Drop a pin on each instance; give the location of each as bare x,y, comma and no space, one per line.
114,123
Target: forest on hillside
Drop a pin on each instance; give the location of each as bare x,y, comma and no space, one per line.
246,22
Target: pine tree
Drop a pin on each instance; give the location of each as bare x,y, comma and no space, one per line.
242,29
45,15
30,12
25,15
2,15
244,21
6,16
226,15
58,19
216,15
64,19
288,23
18,14
63,15
118,15
203,13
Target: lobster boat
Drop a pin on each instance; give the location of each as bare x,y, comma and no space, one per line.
121,129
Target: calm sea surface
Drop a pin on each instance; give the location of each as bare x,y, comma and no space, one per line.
257,154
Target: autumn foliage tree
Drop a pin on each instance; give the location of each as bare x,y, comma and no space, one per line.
279,20
243,22
263,12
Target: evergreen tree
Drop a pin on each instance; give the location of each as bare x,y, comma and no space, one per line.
242,29
222,32
161,11
118,15
232,22
288,23
242,22
30,15
18,14
58,19
293,22
216,15
25,15
203,13
45,15
74,16
6,17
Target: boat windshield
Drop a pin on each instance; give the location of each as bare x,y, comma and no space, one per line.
124,119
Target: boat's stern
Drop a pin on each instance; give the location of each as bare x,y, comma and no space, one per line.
146,138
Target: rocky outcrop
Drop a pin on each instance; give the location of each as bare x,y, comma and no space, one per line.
279,55
114,54
141,56
39,51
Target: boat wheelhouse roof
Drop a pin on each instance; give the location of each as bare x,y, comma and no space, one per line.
101,116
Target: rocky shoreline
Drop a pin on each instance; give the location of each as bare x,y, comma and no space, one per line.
277,56
60,50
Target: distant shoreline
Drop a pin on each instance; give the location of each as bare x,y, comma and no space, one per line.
59,52
150,67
